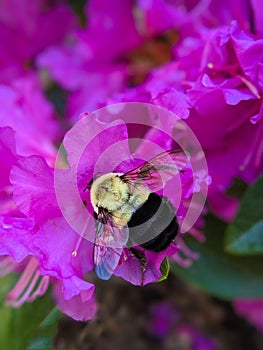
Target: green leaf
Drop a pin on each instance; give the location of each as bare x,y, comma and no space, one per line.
165,268
30,327
219,272
245,235
40,344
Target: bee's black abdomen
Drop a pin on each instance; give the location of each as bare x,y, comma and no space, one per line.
146,211
164,239
154,225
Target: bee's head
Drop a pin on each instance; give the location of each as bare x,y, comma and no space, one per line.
108,191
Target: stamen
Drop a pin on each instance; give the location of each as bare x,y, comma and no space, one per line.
250,86
197,234
24,279
186,250
29,286
41,289
181,261
75,251
7,265
232,70
18,300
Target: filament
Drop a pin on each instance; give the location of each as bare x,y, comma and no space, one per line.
29,286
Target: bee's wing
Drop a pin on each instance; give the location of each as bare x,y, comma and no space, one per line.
155,172
108,246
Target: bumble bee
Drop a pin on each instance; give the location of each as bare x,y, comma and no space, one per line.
129,212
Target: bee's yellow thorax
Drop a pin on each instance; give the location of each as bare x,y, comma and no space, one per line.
109,191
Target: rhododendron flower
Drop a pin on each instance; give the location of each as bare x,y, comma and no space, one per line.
96,147
196,340
22,241
163,318
233,85
192,17
165,324
90,65
96,64
26,29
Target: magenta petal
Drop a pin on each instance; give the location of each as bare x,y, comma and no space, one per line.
55,24
93,148
258,16
130,269
174,101
59,60
94,137
154,261
161,15
107,23
20,104
20,33
98,85
81,307
34,188
7,154
16,236
72,286
257,117
249,52
56,243
205,88
52,246
225,206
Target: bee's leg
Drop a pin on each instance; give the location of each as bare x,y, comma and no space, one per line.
142,259
143,267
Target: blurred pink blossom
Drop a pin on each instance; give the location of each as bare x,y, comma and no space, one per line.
25,108
26,28
252,310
